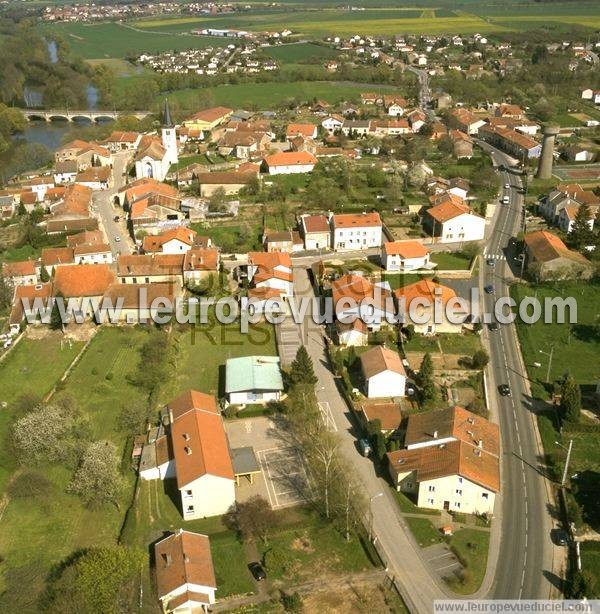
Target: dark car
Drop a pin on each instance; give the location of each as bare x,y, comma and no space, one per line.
493,326
256,569
116,218
559,537
489,289
504,390
490,262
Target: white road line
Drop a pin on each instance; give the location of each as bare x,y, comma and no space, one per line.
447,567
440,556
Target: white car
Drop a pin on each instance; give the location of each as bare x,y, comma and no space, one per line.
117,239
505,200
507,186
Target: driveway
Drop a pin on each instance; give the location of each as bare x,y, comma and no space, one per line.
442,561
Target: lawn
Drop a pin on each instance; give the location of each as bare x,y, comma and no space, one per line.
590,559
424,532
202,351
406,505
576,346
188,160
237,238
38,531
311,549
464,343
399,280
471,547
451,261
33,366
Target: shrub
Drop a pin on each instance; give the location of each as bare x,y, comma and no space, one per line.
29,484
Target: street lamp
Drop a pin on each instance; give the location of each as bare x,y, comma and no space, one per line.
568,450
371,499
550,354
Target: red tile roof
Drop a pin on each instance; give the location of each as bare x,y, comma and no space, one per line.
356,220
291,158
405,249
82,280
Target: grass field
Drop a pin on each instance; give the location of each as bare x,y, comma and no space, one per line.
268,95
297,53
31,367
590,559
576,347
448,261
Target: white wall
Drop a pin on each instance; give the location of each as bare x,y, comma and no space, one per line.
466,227
462,495
249,396
211,496
395,262
386,384
356,238
316,240
291,169
99,258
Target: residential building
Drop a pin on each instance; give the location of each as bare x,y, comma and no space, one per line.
290,162
452,222
231,182
185,575
84,283
208,119
383,373
150,268
22,273
271,270
354,333
284,241
404,256
308,131
451,461
512,142
465,120
175,241
199,264
355,231
253,379
388,415
316,232
139,303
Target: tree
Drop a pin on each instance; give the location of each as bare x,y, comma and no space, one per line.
570,400
44,277
132,418
480,359
302,370
98,480
252,519
582,585
581,234
292,602
426,378
95,580
217,200
6,294
56,321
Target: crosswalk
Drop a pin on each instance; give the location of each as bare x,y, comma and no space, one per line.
493,256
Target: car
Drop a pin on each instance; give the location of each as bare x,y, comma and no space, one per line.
489,289
490,262
117,239
505,200
116,218
559,537
494,326
256,569
507,186
364,445
504,390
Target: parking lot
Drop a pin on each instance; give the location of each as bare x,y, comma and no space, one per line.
283,480
441,559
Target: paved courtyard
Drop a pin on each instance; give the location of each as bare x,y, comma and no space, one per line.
282,479
442,560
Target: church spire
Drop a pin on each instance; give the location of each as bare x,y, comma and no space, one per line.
167,122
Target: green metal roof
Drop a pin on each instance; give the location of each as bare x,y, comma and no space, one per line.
253,373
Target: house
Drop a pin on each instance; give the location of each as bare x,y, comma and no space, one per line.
122,141
308,131
567,215
370,98
199,264
185,576
452,221
150,268
52,257
175,241
355,231
355,128
547,257
394,105
253,379
509,110
95,177
203,467
578,154
271,270
566,195
138,303
465,121
512,142
25,298
391,127
69,150
242,144
383,373
208,119
417,306
85,284
93,253
332,124
355,297
451,461
22,273
354,333
404,256
284,241
388,415
289,162
65,171
231,182
316,232
93,155
416,119
462,144
72,213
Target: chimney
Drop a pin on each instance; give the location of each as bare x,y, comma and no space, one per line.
186,436
435,434
188,450
480,443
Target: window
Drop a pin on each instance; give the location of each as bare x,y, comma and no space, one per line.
408,485
457,505
430,501
460,480
189,509
459,492
484,495
188,493
432,489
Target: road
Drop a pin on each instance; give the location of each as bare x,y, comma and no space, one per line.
102,204
521,556
525,556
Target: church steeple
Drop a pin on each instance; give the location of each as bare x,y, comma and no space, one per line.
167,122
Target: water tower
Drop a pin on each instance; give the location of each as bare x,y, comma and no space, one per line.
544,170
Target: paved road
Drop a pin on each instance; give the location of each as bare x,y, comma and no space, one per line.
525,557
102,203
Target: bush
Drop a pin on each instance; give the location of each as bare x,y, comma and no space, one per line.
29,484
291,602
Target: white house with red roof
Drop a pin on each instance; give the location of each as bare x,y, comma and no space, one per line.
185,575
290,162
356,231
454,222
315,231
271,270
404,256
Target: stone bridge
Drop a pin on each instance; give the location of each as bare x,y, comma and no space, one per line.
71,115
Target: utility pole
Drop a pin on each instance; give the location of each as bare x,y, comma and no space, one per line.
566,469
550,355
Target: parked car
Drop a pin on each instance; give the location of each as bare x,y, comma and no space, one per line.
256,569
490,262
117,239
559,537
494,326
116,218
505,200
489,289
507,186
364,446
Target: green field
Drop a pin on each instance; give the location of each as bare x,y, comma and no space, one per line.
300,52
576,347
268,95
449,261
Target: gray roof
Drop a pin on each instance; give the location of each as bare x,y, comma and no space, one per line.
244,461
252,373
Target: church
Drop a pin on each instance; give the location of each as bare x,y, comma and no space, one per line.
155,155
